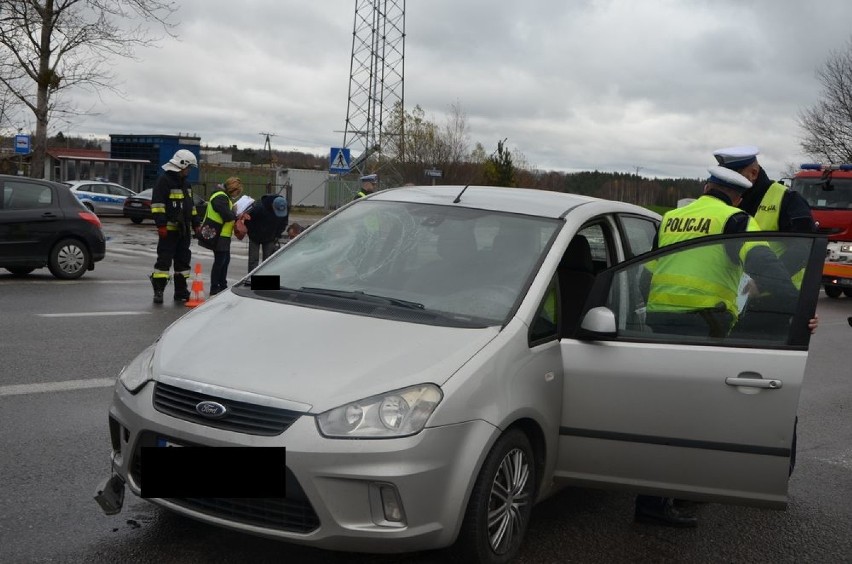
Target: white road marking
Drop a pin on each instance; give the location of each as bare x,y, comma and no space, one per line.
47,387
93,313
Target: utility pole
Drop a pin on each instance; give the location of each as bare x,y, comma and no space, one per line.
267,146
376,79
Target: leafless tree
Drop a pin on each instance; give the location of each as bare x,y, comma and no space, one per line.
50,46
828,124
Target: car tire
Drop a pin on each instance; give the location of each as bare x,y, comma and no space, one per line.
136,220
89,207
19,270
833,291
69,259
847,292
500,504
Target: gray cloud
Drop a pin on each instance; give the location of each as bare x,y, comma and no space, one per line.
612,85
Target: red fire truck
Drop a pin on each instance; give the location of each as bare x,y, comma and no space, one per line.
828,190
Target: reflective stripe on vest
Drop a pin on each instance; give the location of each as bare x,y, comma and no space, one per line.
213,215
700,278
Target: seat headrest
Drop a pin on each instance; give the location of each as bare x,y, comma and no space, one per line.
579,255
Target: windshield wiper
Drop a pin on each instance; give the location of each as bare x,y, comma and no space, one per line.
362,296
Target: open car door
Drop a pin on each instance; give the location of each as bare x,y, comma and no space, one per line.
696,417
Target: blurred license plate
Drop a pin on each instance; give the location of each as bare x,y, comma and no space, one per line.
161,442
136,204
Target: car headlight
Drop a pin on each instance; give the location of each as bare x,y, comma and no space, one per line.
846,248
139,371
393,414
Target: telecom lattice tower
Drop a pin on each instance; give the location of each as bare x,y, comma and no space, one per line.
376,74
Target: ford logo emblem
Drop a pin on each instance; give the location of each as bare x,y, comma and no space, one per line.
211,409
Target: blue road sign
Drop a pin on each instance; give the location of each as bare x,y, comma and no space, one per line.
339,160
22,144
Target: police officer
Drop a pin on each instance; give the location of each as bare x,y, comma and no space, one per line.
175,216
770,203
368,185
694,293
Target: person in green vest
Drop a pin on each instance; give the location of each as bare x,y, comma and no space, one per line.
220,210
770,203
368,185
695,292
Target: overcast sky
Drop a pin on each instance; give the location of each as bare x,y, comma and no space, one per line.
613,85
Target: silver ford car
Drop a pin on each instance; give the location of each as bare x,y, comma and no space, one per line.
435,360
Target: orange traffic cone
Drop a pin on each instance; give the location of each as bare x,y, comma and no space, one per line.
197,288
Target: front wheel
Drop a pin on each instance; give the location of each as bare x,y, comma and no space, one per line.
847,292
500,505
832,291
136,220
69,259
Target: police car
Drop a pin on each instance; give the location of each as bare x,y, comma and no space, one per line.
460,353
101,197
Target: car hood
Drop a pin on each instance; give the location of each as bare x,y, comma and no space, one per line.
318,358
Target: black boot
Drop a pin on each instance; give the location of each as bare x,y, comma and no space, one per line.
662,511
159,285
181,290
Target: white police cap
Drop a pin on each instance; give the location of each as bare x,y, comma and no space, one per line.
369,178
728,178
736,157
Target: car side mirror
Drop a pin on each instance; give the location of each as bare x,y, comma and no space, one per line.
598,322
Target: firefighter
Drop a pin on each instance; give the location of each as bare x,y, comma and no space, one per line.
176,219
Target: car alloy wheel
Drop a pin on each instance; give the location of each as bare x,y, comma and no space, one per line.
499,509
69,259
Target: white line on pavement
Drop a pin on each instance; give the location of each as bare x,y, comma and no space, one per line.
93,313
46,387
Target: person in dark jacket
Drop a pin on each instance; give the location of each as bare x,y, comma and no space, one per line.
176,220
220,209
265,221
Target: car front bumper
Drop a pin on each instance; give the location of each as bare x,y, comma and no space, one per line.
334,487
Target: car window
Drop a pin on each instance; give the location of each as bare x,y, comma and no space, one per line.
545,324
26,195
118,190
638,233
469,265
98,188
674,295
600,242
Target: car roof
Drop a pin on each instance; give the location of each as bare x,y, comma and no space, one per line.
527,201
79,182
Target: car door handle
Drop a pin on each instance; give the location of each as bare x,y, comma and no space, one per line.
48,215
753,383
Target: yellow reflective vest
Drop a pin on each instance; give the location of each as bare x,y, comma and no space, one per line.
213,215
700,278
767,216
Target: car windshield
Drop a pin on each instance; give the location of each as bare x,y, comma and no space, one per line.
835,194
462,266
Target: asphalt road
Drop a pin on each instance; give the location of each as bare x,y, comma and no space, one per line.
63,343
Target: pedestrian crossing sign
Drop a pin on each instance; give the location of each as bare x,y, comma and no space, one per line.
339,160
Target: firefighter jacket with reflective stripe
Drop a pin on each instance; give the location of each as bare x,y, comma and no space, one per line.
700,278
213,215
172,205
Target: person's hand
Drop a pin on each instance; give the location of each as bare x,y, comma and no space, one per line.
162,231
197,230
814,323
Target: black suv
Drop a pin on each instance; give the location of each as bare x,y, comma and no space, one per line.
43,224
